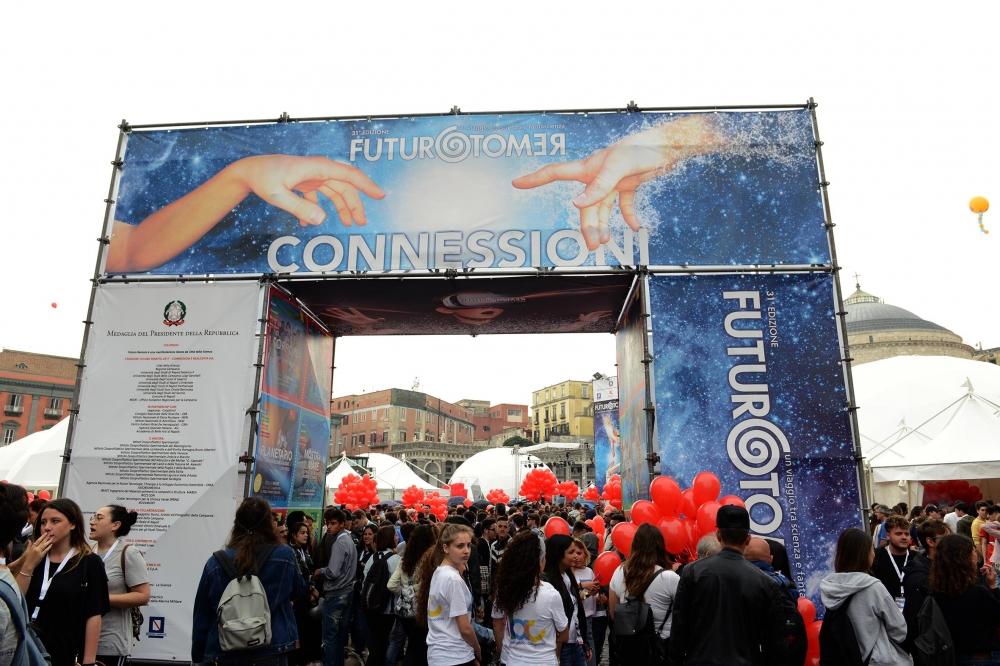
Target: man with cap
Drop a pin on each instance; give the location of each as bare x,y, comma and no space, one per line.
726,610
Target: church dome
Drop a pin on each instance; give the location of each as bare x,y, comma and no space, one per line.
868,313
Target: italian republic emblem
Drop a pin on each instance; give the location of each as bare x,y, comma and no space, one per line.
174,313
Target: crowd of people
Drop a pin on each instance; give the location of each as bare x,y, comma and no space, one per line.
390,585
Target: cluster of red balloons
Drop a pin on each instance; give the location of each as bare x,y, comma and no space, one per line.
592,493
539,483
568,489
808,612
436,504
41,494
613,491
946,492
413,496
356,492
497,496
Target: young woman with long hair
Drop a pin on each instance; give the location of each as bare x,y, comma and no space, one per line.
590,590
380,620
306,620
253,548
971,610
405,584
128,581
878,622
647,573
445,605
65,585
560,557
529,622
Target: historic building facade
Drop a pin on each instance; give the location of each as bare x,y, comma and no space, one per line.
35,392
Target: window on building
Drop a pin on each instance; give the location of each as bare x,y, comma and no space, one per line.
402,435
374,438
584,391
347,419
385,436
546,414
514,413
871,338
562,410
14,400
55,403
361,439
486,428
9,432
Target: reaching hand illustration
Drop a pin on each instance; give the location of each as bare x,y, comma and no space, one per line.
616,172
289,182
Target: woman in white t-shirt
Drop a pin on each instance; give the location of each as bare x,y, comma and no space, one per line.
529,621
445,605
128,581
648,568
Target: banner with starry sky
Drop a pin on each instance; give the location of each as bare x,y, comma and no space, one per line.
481,191
749,386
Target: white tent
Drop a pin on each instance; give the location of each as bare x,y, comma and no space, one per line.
40,462
495,468
928,418
392,476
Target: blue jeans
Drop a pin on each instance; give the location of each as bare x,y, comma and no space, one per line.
336,615
572,655
397,639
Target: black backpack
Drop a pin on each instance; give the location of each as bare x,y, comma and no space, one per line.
838,644
636,640
375,594
791,631
933,645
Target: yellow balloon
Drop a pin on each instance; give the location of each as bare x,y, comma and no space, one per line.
979,205
258,481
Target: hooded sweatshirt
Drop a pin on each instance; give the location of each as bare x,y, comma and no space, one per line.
876,618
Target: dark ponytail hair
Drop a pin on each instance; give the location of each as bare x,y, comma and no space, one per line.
13,512
126,518
252,527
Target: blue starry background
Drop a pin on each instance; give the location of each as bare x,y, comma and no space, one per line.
757,201
808,400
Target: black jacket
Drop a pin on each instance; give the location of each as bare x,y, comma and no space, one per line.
915,590
726,611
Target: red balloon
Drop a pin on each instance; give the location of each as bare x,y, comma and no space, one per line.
621,537
706,517
675,537
644,511
688,506
598,524
732,500
31,497
44,494
691,528
600,542
706,488
807,609
812,635
556,525
666,495
467,502
604,566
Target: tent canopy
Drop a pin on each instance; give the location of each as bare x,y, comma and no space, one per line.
495,468
392,476
40,462
926,418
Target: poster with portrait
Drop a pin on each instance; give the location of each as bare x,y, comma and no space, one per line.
607,439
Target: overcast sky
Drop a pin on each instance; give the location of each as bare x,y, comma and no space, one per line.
908,110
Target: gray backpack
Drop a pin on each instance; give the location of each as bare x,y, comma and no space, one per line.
243,613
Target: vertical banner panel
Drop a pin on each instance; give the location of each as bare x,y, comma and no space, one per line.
607,441
632,425
293,436
749,386
169,377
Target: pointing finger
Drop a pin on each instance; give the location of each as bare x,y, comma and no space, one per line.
348,174
589,227
626,201
313,197
550,173
604,217
614,169
353,201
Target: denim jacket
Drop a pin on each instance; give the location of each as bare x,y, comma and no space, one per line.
282,582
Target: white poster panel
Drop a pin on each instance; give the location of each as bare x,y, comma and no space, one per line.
163,421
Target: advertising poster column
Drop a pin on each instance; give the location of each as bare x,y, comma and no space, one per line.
293,436
163,420
749,386
632,428
607,441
